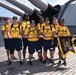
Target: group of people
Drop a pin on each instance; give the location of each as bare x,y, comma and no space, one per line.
17,36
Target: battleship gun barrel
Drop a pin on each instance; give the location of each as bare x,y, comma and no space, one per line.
47,9
14,10
33,13
23,6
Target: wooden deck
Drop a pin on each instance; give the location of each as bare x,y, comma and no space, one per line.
38,68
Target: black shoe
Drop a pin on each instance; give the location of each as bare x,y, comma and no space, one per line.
64,63
21,62
10,62
59,63
52,61
40,60
44,61
30,62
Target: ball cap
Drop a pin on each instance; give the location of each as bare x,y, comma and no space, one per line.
32,22
54,18
26,14
62,20
15,18
6,18
41,19
47,18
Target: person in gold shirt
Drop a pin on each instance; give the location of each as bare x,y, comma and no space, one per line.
25,23
55,25
4,30
15,42
39,28
41,23
62,31
48,41
33,41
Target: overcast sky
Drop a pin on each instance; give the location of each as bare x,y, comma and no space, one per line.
5,12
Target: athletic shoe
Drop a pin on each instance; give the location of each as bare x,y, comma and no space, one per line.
30,63
64,63
44,61
59,63
21,62
52,61
10,62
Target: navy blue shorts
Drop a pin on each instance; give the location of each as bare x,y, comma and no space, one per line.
55,42
6,43
41,41
25,43
47,44
32,46
15,44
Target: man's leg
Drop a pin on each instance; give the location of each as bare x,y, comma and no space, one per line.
31,48
45,54
19,55
25,44
52,56
45,46
52,51
8,54
39,50
30,59
24,53
40,56
11,57
6,44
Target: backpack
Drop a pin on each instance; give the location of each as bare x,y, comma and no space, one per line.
46,29
15,27
25,27
64,31
5,27
31,30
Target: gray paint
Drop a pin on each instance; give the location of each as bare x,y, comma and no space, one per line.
72,30
1,37
70,14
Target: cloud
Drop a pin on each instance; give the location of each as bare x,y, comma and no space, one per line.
61,2
55,2
0,10
26,1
